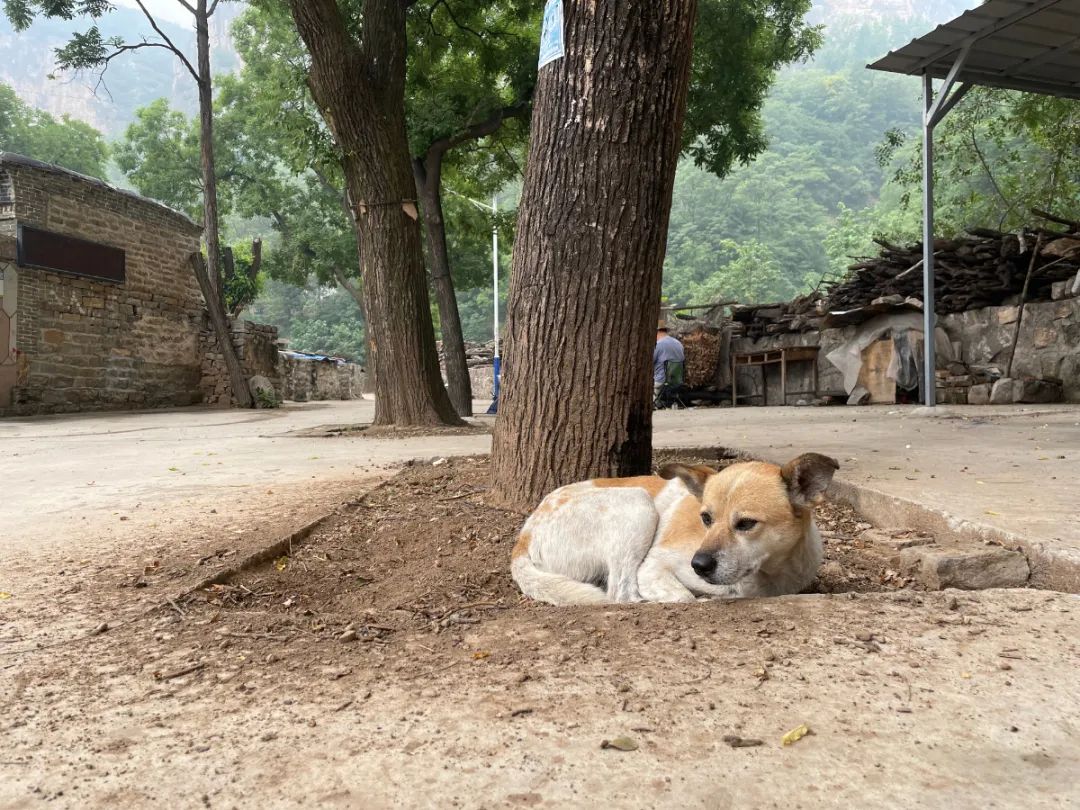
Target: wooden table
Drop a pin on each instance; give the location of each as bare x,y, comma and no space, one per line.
780,357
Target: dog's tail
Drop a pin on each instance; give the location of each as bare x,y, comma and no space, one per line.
555,589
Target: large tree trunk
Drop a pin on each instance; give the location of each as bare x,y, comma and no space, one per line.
361,90
214,296
585,288
428,174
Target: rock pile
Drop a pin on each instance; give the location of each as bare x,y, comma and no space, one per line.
476,354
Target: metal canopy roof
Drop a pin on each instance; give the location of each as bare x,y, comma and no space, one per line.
1031,45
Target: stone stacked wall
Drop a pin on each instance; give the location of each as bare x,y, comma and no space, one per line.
256,346
313,380
92,345
1049,347
293,378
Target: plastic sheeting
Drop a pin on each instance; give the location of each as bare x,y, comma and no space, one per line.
905,367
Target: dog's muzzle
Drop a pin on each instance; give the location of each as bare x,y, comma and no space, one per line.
710,569
704,565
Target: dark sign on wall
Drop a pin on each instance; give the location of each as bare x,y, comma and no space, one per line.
66,254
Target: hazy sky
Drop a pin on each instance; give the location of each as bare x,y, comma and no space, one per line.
167,9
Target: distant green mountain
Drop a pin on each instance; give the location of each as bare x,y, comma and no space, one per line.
138,79
132,81
773,229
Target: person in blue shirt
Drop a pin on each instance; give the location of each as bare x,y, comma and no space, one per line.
667,348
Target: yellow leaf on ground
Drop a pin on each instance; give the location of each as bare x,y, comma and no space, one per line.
795,734
5,595
620,744
281,563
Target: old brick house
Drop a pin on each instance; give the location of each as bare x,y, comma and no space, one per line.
99,308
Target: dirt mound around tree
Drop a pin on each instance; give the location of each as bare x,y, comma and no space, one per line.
423,551
389,431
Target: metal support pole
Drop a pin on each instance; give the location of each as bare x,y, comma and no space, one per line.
930,356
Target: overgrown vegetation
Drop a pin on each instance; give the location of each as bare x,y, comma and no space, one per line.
842,165
65,141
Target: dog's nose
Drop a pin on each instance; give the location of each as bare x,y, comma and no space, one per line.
703,564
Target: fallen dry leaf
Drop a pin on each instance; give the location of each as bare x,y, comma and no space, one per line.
620,744
795,734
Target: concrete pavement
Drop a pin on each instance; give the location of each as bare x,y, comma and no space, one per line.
1003,474
1007,471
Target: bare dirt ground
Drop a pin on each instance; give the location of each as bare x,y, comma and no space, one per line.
388,661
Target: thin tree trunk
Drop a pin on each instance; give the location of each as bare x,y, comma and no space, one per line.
428,175
214,296
206,140
361,90
220,324
585,288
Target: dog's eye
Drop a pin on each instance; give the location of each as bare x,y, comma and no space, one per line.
706,519
745,525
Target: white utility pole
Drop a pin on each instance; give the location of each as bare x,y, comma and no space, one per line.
494,208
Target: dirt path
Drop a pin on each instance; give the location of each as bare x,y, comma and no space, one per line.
387,664
968,701
454,694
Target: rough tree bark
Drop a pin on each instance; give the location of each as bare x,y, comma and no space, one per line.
427,173
220,324
360,88
427,169
592,226
214,294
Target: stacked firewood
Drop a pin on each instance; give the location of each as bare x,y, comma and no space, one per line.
702,350
982,269
800,315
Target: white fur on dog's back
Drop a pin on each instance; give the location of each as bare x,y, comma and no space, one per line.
581,534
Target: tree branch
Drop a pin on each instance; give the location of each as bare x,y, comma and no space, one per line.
187,5
990,175
120,50
341,197
453,18
489,126
347,285
171,45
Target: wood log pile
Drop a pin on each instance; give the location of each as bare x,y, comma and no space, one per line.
983,269
702,350
801,315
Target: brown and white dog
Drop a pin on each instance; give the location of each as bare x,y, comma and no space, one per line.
690,532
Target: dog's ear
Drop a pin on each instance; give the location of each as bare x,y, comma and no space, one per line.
807,477
694,477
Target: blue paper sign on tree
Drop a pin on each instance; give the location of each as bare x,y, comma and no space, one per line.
551,36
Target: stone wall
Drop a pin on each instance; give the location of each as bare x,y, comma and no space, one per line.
1049,348
305,379
84,344
256,346
1049,345
482,379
